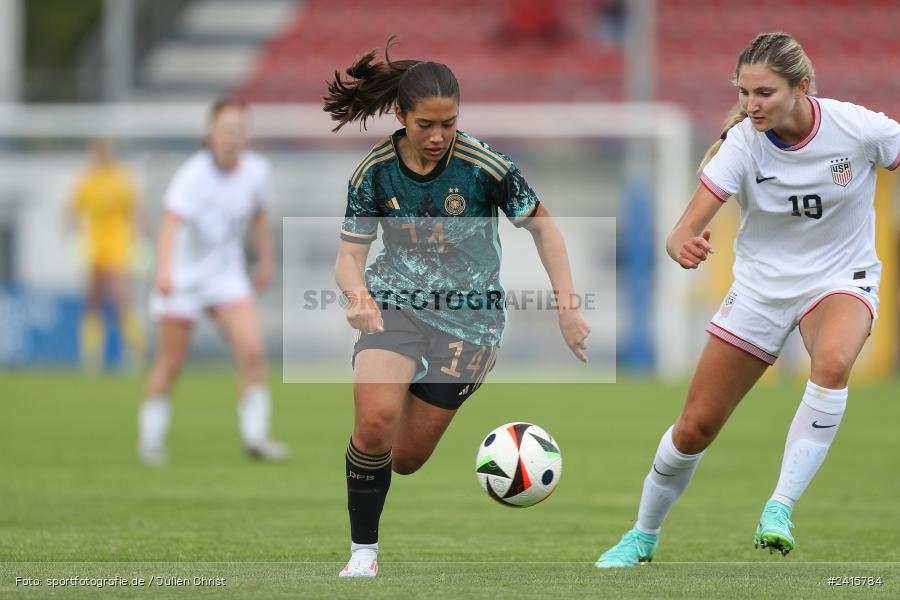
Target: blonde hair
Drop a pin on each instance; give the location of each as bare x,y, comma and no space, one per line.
785,57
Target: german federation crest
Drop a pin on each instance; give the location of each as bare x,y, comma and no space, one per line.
840,171
454,204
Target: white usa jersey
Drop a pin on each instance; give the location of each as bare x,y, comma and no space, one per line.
214,208
807,209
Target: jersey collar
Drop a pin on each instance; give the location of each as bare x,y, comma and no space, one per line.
219,170
432,174
817,121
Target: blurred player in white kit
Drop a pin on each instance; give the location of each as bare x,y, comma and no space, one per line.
215,196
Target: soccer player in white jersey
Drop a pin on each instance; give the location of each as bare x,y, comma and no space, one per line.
216,195
803,172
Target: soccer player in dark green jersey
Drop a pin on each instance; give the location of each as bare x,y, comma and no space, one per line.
430,309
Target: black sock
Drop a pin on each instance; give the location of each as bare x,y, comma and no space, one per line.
368,481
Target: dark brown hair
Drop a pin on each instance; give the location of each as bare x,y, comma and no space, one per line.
373,88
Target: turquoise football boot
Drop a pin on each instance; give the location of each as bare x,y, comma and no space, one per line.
774,530
634,548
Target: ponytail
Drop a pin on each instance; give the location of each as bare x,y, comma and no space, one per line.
784,56
373,88
736,115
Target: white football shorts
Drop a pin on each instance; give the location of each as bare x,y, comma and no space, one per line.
761,328
190,303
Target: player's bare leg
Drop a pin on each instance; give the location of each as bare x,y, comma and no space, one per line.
155,412
723,377
421,427
91,334
834,333
240,326
118,286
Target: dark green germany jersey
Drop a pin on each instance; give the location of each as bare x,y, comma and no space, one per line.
441,255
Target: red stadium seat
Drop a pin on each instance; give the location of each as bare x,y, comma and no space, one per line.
466,34
697,49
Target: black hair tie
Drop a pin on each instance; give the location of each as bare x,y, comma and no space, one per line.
724,135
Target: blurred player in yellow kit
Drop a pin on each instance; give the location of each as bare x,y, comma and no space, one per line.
105,201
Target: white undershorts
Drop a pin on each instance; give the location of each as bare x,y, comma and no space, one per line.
761,328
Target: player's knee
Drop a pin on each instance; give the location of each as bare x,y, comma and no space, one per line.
831,369
406,465
169,365
371,433
692,437
252,358
371,442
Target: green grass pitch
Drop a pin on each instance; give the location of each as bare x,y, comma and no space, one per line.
75,503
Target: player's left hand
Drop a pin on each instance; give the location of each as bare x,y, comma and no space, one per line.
263,276
575,330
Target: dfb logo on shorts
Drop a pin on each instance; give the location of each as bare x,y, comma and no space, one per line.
840,171
729,302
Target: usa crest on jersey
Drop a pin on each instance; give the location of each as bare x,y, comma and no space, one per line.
840,171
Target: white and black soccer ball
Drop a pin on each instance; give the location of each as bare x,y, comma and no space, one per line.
518,464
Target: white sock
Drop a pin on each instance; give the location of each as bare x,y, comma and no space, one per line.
254,414
668,478
354,547
153,422
812,431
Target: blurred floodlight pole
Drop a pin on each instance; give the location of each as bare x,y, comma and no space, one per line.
640,50
637,244
657,337
11,54
656,292
118,49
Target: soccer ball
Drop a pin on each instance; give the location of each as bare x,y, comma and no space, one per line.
518,464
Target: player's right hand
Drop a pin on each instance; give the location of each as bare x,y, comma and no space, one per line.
694,251
163,283
364,315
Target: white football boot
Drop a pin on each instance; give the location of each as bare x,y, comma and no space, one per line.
152,456
362,563
268,450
